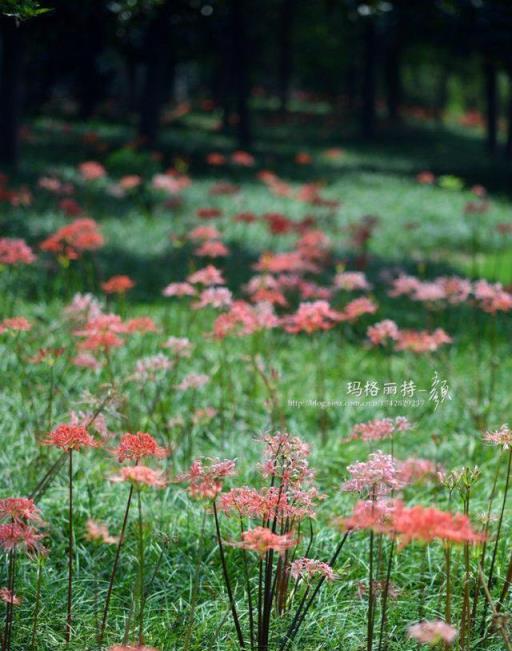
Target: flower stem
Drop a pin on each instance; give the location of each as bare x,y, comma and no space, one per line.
141,569
385,594
303,610
70,550
226,579
369,642
496,542
114,567
37,605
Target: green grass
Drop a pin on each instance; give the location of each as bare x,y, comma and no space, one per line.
378,180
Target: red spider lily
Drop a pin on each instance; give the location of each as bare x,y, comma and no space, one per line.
204,233
303,158
217,297
242,158
98,532
222,187
209,213
307,568
358,307
209,275
19,509
15,324
72,240
141,324
379,428
70,437
425,178
351,281
212,249
91,170
86,360
117,285
432,632
245,218
170,183
285,458
414,470
492,298
205,477
15,251
271,296
502,437
140,476
284,503
19,536
421,341
215,159
375,515
277,263
309,290
179,289
193,381
102,332
48,355
311,317
378,476
382,332
9,597
135,447
313,245
243,319
70,207
278,224
130,182
180,346
83,308
427,524
262,540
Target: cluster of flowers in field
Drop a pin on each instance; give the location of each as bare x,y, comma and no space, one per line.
128,363
276,542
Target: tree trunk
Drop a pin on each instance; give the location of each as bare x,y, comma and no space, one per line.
393,81
157,50
508,146
351,86
285,53
10,90
441,97
240,70
491,102
369,79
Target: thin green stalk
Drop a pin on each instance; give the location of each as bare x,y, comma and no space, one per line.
195,586
69,616
37,604
141,568
486,532
496,542
6,639
226,579
114,567
302,611
385,595
369,637
500,624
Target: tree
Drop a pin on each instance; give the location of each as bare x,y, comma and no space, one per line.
12,12
157,50
286,15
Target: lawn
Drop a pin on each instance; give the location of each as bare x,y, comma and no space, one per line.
220,398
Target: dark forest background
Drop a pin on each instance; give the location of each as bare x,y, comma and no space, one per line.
368,64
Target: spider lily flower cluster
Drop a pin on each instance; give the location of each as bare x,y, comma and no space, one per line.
195,375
